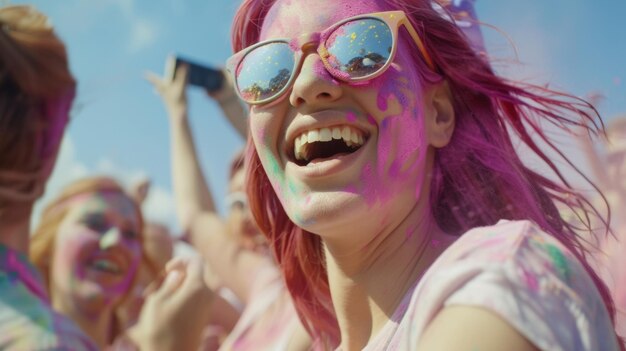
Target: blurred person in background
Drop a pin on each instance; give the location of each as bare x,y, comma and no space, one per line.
36,93
159,249
88,245
232,245
606,156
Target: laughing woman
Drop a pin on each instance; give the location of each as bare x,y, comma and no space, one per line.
88,248
383,171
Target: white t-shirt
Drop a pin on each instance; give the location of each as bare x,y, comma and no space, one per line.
517,271
270,320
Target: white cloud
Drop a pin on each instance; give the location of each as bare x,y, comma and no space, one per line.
127,7
143,34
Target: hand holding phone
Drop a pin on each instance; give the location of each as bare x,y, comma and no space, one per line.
209,78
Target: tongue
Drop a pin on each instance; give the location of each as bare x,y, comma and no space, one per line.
320,160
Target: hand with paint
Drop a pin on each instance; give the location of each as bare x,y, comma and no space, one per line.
176,312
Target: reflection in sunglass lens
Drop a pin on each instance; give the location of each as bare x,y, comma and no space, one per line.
265,71
359,48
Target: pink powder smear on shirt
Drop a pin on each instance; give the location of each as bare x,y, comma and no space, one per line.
531,281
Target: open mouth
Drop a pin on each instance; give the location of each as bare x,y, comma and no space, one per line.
316,145
105,265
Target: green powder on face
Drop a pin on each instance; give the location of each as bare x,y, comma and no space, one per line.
559,261
275,168
292,188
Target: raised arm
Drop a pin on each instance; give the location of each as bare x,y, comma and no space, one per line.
232,107
194,203
192,195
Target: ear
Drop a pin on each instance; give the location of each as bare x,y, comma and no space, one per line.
438,114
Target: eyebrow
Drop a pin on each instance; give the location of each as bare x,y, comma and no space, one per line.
111,216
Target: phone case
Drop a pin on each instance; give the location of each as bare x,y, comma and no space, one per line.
199,75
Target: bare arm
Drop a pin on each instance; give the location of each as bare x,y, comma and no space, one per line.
232,107
464,328
192,195
194,202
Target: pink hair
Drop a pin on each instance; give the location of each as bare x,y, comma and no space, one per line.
477,179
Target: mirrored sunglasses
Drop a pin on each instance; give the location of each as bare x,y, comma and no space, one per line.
356,49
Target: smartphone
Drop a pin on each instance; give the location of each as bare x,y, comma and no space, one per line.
199,75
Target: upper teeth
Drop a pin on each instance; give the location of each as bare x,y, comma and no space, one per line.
106,265
351,136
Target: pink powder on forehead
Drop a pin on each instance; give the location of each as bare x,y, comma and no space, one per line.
279,22
348,9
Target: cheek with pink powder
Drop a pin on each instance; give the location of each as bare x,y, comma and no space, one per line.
401,141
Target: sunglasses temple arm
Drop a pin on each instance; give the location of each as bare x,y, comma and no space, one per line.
420,44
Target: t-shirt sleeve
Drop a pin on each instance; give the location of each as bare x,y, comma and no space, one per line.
529,279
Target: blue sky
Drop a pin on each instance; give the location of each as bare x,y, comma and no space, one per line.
120,127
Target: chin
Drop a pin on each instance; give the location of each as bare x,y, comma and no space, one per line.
324,213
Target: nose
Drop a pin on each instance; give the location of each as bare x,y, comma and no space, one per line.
314,84
111,238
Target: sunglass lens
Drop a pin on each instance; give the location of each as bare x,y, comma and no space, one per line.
265,71
359,48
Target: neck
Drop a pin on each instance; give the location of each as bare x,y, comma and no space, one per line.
96,324
15,226
368,283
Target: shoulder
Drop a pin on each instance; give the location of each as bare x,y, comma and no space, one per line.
28,323
35,326
516,274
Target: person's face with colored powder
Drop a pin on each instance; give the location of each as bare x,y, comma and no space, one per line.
96,251
240,223
375,177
